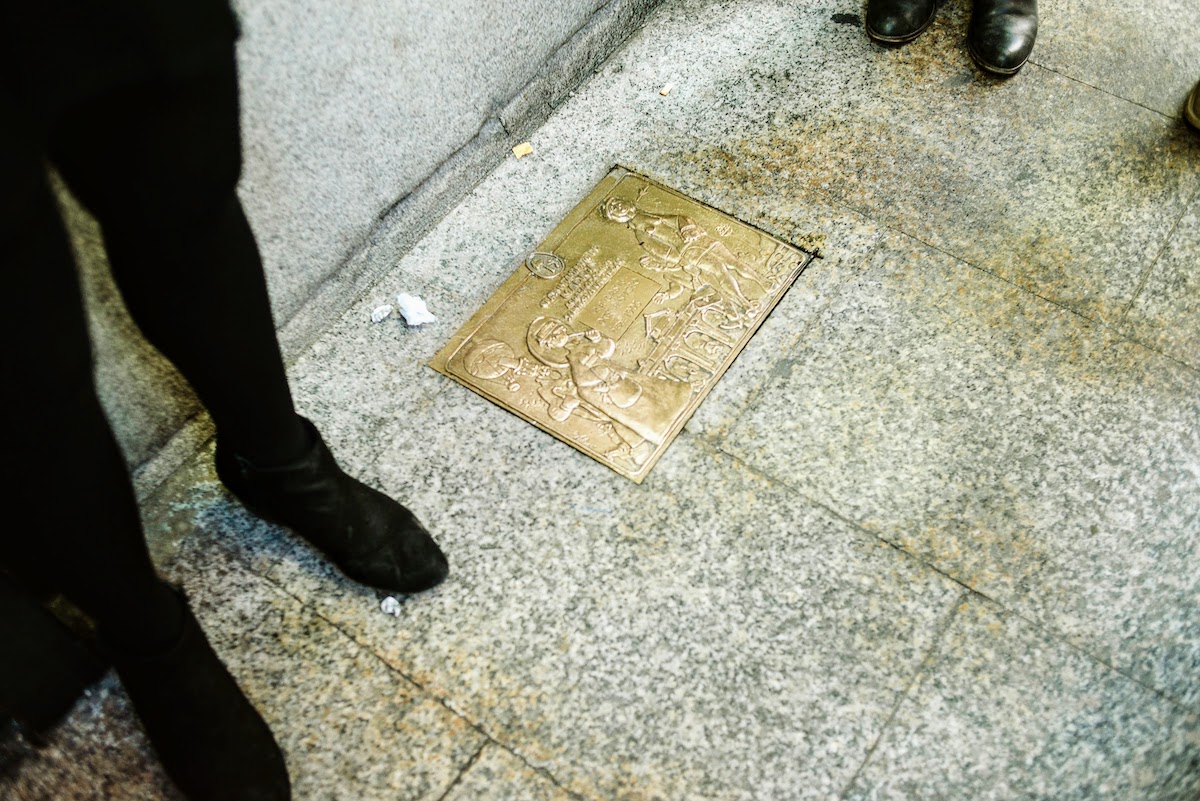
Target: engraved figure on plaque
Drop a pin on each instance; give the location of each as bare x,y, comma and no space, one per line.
614,328
641,404
682,250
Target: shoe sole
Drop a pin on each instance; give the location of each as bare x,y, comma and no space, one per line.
983,65
1189,108
902,39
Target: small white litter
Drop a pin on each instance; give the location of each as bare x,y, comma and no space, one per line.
413,309
390,606
666,90
381,313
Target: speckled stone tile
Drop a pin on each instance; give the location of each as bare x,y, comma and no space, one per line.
1150,55
498,775
1005,712
1062,189
360,373
1132,600
1000,438
1043,180
349,725
673,639
1166,313
98,753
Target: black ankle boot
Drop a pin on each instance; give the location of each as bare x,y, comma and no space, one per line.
370,537
895,21
1001,34
212,742
1191,107
44,665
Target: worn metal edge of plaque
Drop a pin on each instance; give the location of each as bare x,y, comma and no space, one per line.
611,333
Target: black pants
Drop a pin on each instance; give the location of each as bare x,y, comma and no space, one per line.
156,161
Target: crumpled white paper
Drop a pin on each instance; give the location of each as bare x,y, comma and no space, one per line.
390,606
381,313
413,309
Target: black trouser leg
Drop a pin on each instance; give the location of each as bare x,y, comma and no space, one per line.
81,534
158,166
44,666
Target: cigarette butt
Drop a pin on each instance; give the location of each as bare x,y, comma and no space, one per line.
523,149
666,90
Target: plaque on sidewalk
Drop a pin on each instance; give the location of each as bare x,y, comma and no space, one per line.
610,334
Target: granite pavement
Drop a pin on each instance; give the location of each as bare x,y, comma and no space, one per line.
934,535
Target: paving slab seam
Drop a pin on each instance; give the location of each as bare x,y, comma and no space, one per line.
1154,263
191,438
444,702
916,238
711,446
470,763
1071,77
1155,349
1116,327
866,215
1170,699
918,672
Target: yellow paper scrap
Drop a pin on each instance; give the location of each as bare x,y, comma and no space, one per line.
666,90
523,149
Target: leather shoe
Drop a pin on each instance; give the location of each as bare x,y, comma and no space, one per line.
44,667
895,21
1191,107
367,535
1001,34
212,742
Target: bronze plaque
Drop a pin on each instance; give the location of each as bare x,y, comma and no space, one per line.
610,334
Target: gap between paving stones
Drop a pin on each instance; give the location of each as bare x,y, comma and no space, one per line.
499,740
445,703
1150,270
1082,82
470,764
925,664
783,483
706,440
1117,327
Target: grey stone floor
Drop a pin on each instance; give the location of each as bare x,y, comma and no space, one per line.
935,535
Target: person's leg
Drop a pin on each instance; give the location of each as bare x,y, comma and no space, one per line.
83,537
158,166
81,534
44,666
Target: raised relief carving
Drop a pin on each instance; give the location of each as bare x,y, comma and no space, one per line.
623,319
680,249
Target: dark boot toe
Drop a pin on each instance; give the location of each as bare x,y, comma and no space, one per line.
898,20
367,535
400,556
1002,34
212,742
